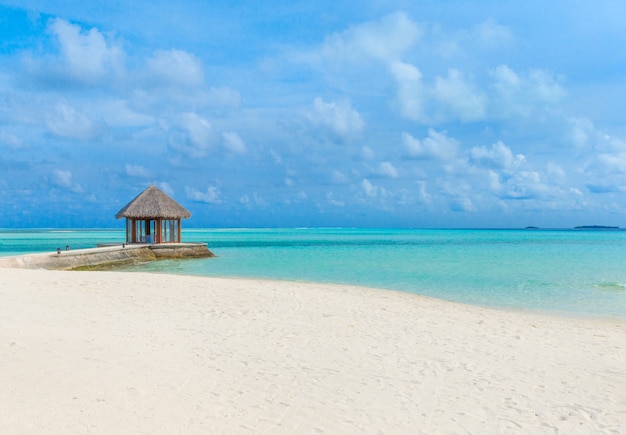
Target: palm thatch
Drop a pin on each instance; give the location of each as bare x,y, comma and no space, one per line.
153,203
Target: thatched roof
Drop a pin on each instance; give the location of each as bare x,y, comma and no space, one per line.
153,203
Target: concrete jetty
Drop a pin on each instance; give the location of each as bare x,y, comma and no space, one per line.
107,256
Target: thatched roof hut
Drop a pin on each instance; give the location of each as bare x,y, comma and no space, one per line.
153,217
152,203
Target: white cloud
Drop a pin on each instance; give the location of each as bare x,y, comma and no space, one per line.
555,171
498,156
224,97
491,34
65,121
367,153
507,82
436,146
165,187
451,97
192,135
63,178
176,67
581,130
613,162
386,169
338,177
518,181
211,196
87,55
116,113
384,40
524,185
330,196
545,86
372,190
519,94
11,140
486,36
412,94
259,200
339,117
459,98
233,142
494,181
137,171
602,158
369,189
510,177
276,157
422,193
576,191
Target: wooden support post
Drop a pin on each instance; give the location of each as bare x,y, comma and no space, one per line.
157,236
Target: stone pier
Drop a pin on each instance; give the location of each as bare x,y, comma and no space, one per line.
107,257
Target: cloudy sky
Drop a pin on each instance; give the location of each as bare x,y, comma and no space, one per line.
375,113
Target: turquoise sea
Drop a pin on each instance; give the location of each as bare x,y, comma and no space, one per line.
570,272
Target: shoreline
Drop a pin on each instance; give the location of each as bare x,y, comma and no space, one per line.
112,352
585,282
565,315
572,315
35,261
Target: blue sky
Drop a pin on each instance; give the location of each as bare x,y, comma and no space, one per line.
371,113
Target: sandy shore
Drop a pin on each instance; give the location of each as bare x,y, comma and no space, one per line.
112,352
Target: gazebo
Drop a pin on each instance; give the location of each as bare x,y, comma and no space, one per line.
153,217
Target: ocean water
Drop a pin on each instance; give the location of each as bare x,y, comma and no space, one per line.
569,272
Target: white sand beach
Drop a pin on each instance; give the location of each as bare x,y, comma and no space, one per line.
113,352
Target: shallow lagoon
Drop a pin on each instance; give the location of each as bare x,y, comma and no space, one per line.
565,271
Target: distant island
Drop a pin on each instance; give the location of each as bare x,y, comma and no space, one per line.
583,227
